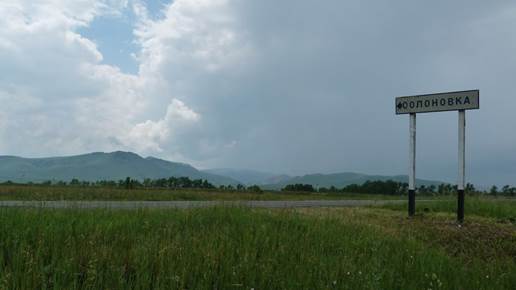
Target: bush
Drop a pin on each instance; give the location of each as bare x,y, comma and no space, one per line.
255,189
299,187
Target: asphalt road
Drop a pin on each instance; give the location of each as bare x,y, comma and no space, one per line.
193,204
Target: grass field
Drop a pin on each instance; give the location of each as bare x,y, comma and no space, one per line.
23,192
233,248
502,209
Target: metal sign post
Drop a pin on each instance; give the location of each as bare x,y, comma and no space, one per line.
451,101
462,166
412,166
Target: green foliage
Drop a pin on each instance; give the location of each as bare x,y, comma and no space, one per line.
299,188
384,187
255,189
388,187
130,183
508,190
391,187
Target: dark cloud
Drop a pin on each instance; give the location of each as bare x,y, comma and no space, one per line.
317,89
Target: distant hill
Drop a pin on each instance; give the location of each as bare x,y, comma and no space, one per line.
249,177
340,180
99,166
119,165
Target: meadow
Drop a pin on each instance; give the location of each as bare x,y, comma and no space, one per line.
502,209
239,248
42,193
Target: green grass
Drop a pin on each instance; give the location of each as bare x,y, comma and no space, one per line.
21,192
503,209
232,248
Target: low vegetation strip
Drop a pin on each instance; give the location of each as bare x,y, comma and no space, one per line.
502,209
233,248
193,204
46,193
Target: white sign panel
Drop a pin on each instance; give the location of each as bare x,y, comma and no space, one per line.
452,101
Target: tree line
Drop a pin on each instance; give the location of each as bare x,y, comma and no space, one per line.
391,187
388,187
506,190
159,183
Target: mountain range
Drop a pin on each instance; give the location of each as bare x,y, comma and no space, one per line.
119,165
99,166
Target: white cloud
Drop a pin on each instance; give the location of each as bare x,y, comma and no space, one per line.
60,96
194,44
149,135
57,96
193,35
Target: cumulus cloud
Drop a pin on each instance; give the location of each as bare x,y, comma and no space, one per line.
58,97
148,136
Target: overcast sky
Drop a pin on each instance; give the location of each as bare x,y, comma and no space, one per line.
284,86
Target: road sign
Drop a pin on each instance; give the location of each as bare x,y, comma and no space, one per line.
452,101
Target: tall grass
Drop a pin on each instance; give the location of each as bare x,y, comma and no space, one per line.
222,248
500,208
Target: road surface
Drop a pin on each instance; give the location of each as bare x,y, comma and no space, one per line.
194,204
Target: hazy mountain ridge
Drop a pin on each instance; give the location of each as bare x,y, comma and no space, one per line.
248,176
119,165
278,181
343,179
99,166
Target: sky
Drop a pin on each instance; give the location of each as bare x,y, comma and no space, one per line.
293,86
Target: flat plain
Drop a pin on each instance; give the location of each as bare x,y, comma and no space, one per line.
91,193
241,248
